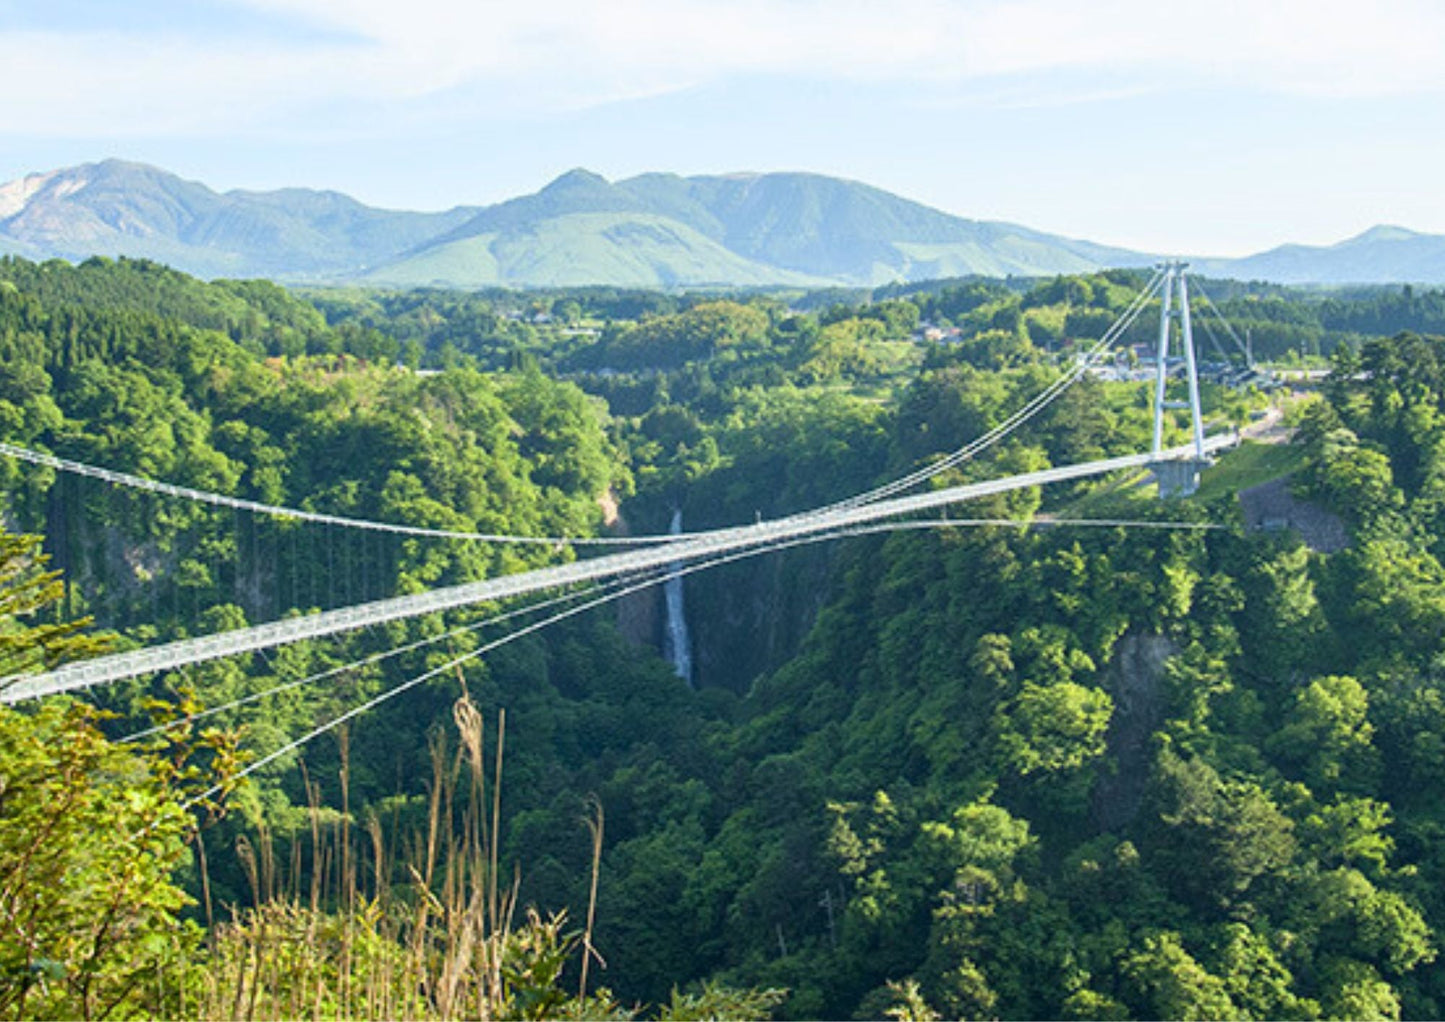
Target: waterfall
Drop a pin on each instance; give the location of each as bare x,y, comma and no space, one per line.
676,646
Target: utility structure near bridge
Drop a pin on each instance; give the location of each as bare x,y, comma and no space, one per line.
1176,477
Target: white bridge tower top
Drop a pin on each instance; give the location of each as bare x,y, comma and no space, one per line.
1178,478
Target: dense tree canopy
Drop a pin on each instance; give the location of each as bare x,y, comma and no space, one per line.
989,773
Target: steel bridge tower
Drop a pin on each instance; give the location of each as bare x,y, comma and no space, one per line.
1177,478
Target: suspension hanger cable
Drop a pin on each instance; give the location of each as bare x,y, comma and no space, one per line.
1209,330
368,660
1018,418
127,479
687,569
1199,289
115,478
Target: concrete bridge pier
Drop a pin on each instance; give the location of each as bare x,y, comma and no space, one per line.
1178,478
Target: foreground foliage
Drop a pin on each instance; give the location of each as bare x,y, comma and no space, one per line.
95,837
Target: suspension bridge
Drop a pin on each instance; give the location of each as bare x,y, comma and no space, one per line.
653,558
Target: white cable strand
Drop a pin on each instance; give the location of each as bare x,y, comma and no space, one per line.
1214,340
148,660
619,582
1032,407
1016,419
736,555
1199,289
1035,523
126,479
275,511
366,661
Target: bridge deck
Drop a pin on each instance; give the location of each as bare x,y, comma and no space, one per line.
170,656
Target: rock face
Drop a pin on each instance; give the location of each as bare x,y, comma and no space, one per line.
1272,506
746,619
1135,679
751,617
639,613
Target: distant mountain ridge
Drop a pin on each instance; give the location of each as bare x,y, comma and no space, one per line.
784,228
1380,255
653,230
119,208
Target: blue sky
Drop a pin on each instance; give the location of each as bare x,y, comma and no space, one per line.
1218,130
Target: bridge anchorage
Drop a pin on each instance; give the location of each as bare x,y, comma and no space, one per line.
1177,477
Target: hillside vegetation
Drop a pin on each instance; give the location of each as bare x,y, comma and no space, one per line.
976,772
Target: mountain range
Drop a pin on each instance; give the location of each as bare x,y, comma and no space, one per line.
653,230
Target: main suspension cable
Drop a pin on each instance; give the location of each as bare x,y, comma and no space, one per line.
115,478
737,555
126,479
1018,418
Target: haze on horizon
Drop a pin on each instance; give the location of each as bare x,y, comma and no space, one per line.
1220,129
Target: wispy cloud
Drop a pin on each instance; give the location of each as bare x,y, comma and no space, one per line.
565,54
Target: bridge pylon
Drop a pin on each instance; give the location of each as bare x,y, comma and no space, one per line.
1176,477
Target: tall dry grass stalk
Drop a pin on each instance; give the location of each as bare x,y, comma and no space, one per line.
352,944
594,828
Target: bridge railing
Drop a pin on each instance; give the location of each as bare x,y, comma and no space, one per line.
171,656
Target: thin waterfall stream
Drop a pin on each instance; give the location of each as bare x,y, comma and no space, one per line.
676,645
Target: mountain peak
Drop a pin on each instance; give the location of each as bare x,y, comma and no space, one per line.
1383,232
124,173
16,195
577,177
122,207
114,164
654,229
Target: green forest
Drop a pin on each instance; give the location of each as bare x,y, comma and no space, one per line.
1014,771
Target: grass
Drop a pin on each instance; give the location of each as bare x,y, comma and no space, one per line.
1114,498
342,940
1248,465
421,925
625,249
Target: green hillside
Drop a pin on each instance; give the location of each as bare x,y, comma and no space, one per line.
732,229
577,249
860,234
736,229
